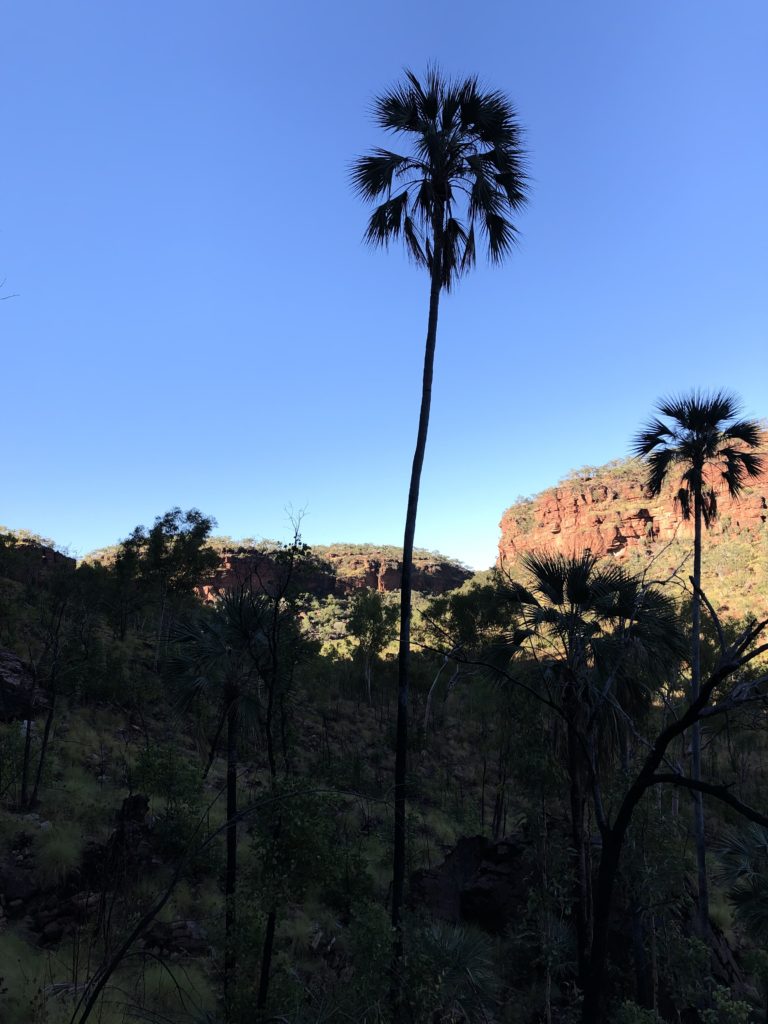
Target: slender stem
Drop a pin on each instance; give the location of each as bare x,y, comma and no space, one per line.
266,960
230,884
404,654
698,801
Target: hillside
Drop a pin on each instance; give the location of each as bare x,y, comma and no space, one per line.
337,569
340,569
196,801
607,510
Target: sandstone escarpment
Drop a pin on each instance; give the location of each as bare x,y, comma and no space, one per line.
27,559
608,511
358,566
338,569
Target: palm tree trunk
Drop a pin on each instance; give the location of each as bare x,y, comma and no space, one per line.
27,753
266,960
404,654
230,882
593,1005
44,746
580,864
428,706
368,671
698,802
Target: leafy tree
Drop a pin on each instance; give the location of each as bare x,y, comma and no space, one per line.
171,558
461,625
464,173
699,437
372,622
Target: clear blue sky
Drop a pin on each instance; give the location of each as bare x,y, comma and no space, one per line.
198,323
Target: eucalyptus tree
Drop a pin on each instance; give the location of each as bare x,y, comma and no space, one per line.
372,622
699,440
462,175
170,558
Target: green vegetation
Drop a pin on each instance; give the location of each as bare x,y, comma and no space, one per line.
214,789
213,809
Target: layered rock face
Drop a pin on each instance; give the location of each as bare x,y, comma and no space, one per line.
611,513
381,570
262,571
28,561
338,570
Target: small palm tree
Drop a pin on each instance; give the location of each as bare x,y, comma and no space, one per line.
699,438
462,176
598,639
743,868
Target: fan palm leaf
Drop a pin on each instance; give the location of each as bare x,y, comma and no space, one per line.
464,176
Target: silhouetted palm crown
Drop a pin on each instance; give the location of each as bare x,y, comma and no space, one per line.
591,616
698,431
465,172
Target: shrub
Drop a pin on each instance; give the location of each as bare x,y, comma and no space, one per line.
58,852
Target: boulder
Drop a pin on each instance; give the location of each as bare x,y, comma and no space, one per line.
17,688
481,882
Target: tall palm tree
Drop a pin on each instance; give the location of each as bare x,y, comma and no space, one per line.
700,437
463,174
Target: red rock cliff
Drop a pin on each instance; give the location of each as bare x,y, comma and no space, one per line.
339,569
608,511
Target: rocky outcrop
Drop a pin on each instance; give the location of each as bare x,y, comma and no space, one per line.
264,571
52,913
176,939
481,882
337,569
29,561
381,569
18,693
608,511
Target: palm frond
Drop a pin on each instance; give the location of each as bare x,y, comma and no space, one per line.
469,254
683,499
738,466
549,574
501,236
747,432
742,866
373,175
413,242
387,220
659,463
397,109
653,434
467,165
454,250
